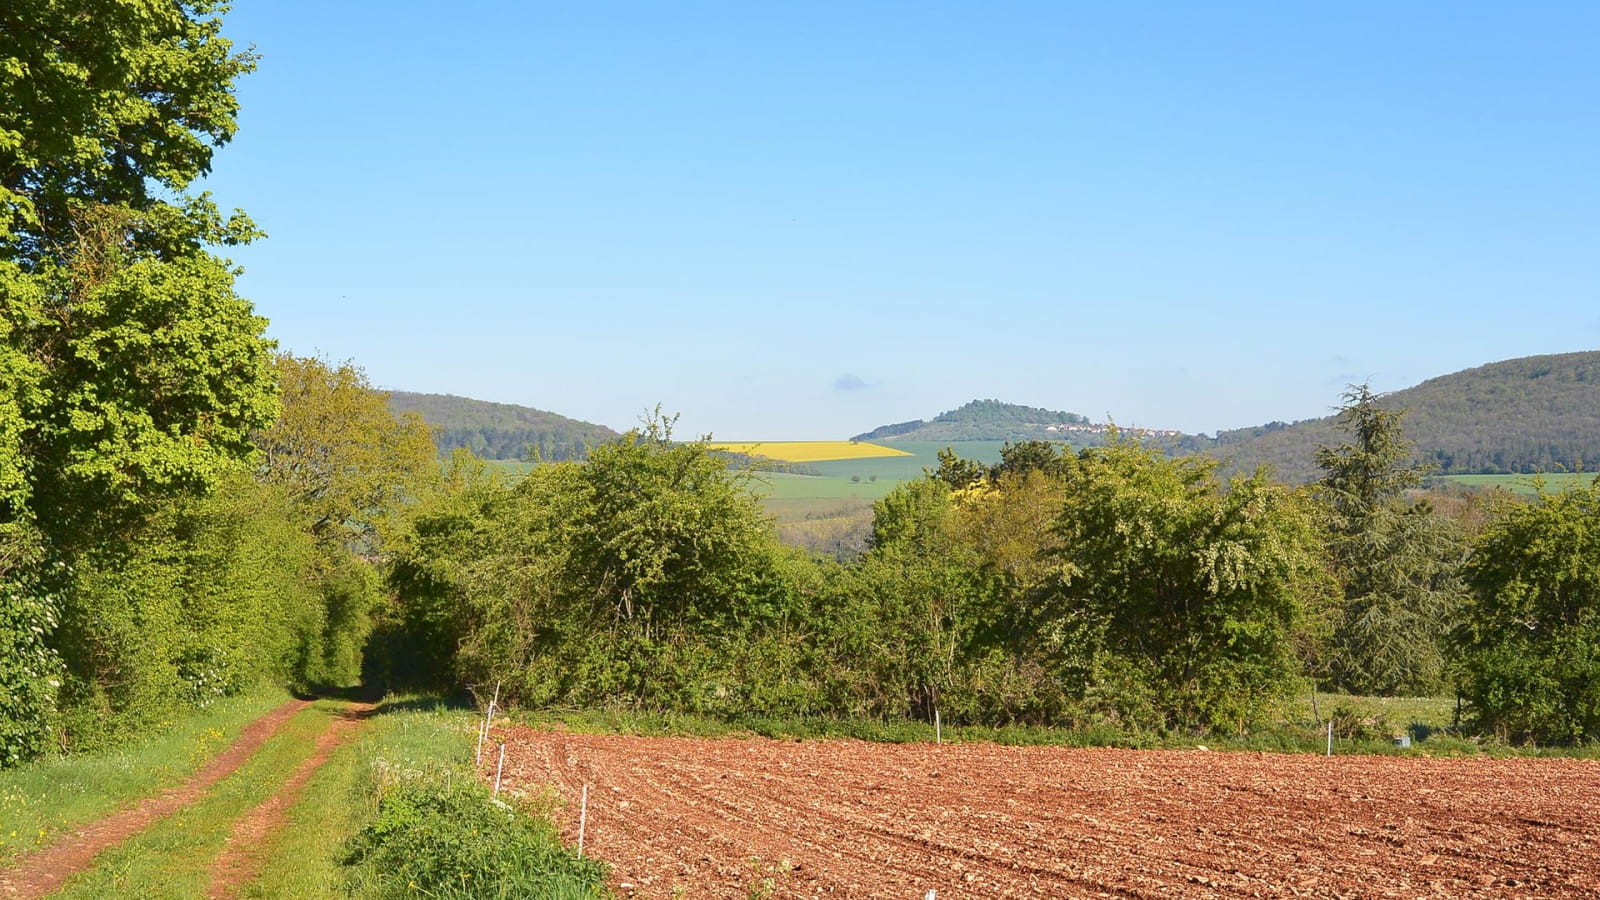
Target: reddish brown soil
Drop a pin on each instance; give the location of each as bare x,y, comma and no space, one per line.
44,871
240,860
724,818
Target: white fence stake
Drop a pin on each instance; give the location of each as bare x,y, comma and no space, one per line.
938,729
583,818
498,769
488,719
1330,737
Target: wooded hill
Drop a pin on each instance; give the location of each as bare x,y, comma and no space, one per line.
501,430
1534,414
982,420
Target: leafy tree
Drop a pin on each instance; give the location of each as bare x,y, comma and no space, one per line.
110,103
345,459
1531,636
1030,456
647,575
956,471
142,372
1396,561
447,537
130,373
1195,593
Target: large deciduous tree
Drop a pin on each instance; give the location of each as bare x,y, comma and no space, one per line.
346,459
131,374
139,373
1195,592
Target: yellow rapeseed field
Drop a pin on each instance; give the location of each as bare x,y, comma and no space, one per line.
806,451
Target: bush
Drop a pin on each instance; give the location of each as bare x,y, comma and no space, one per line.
1531,640
440,835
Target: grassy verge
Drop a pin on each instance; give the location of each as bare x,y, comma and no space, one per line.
40,800
1364,725
398,813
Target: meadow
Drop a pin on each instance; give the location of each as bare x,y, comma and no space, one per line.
790,497
1554,482
807,451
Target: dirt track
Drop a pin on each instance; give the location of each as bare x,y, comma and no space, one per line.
728,818
240,860
46,870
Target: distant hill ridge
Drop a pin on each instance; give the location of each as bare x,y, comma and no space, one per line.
1532,414
992,420
501,430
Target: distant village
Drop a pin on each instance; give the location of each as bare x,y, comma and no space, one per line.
1102,429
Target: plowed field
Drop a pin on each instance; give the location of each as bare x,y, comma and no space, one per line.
760,818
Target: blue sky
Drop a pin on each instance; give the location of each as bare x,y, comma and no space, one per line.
803,222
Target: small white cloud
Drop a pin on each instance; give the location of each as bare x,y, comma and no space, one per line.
849,382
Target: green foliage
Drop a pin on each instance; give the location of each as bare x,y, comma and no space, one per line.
30,669
143,372
438,834
1531,639
431,570
1397,562
346,460
647,575
156,376
109,101
131,374
206,599
1194,593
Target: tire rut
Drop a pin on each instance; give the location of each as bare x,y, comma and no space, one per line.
241,858
44,871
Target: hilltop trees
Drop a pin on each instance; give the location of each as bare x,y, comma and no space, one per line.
1396,561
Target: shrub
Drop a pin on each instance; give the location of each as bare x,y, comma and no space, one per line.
440,835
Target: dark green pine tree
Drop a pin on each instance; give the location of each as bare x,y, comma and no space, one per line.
1397,561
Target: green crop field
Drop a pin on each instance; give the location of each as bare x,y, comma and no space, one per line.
859,480
1525,484
868,478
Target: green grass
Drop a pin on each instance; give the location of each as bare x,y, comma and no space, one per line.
785,510
305,859
1525,484
40,800
173,858
308,858
1363,725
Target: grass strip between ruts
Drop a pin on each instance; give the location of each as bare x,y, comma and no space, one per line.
44,798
